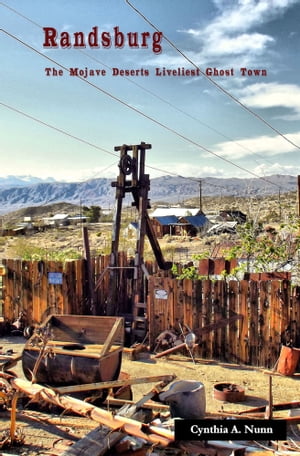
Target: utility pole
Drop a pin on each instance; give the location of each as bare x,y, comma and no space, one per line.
200,194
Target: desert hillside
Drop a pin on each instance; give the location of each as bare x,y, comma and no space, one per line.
273,209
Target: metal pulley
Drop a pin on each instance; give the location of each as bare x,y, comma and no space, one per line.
127,164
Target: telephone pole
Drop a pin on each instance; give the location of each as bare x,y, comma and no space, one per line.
200,194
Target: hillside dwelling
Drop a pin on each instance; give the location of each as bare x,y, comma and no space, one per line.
57,220
193,225
166,225
233,215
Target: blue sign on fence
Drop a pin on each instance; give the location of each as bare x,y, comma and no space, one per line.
55,278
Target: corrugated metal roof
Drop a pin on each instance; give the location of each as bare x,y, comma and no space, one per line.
167,220
197,220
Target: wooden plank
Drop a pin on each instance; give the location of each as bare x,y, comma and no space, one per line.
151,313
106,385
85,329
7,293
101,439
152,434
253,323
96,443
114,333
218,313
264,324
37,272
207,317
244,323
112,401
232,352
177,302
224,315
92,351
275,323
187,306
285,302
295,316
197,315
196,304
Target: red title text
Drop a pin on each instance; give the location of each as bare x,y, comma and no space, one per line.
96,39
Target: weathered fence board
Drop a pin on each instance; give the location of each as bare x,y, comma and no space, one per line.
232,329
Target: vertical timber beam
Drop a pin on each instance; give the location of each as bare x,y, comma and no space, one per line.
111,307
142,205
87,257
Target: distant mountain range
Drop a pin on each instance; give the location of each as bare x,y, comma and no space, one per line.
21,181
18,192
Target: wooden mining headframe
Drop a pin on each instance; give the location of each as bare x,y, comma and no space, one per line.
132,178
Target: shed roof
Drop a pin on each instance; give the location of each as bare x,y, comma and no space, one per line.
176,211
167,220
196,220
59,217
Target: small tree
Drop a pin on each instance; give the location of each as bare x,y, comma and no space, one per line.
93,213
268,251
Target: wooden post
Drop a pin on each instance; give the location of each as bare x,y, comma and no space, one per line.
87,257
298,196
120,193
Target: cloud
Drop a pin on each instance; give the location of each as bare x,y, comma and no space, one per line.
266,169
255,42
241,15
230,32
257,147
272,95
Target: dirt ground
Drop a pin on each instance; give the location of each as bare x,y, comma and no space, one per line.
47,433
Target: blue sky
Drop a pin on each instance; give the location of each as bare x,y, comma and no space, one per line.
197,126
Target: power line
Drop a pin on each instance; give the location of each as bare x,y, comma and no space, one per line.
149,91
224,91
45,124
152,119
70,135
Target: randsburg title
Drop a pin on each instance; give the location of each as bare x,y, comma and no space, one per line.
106,40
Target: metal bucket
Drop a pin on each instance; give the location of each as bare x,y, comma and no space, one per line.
288,360
186,399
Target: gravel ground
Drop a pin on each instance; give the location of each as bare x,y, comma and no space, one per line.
46,433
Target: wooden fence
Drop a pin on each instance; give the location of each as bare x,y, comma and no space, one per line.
243,322
39,288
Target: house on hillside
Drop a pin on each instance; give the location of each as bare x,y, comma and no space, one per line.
57,220
233,215
193,225
178,221
168,224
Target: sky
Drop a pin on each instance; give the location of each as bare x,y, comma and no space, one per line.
217,96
